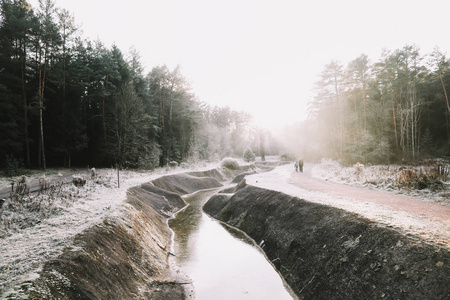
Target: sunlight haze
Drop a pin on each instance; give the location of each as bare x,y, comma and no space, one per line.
262,57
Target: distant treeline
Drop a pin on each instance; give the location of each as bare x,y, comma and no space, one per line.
65,100
396,108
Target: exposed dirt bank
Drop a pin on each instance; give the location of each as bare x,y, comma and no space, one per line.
127,255
325,252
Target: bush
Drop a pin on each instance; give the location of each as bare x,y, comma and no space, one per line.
21,187
78,180
173,164
249,155
229,163
407,178
422,179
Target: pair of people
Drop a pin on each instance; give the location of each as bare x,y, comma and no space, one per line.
299,165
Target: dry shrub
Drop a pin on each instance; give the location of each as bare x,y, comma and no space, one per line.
406,178
230,163
43,184
20,189
441,172
173,164
422,179
437,169
93,173
358,168
78,180
22,186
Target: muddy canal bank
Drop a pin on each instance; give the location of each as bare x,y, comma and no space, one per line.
328,253
127,255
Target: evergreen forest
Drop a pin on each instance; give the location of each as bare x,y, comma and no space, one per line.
68,101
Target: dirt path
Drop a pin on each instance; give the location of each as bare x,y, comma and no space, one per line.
396,202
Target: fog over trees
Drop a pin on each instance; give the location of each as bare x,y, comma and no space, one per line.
392,109
68,101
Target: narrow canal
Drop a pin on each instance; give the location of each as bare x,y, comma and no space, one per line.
222,262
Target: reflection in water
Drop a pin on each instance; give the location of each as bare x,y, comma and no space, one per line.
221,266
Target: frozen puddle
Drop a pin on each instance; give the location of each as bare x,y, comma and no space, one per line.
222,263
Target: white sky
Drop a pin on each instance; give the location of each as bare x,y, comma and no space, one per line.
260,56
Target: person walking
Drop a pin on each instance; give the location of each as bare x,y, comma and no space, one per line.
300,165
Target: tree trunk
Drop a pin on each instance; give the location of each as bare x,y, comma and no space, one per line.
44,165
402,131
41,122
365,109
42,77
25,110
395,126
446,101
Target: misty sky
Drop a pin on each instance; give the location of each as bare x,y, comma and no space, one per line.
260,56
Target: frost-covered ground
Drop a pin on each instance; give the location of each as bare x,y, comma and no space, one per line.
386,177
433,230
41,226
33,234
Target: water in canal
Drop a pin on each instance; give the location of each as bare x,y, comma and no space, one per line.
222,262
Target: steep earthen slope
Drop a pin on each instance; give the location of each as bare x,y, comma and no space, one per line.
127,255
327,253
